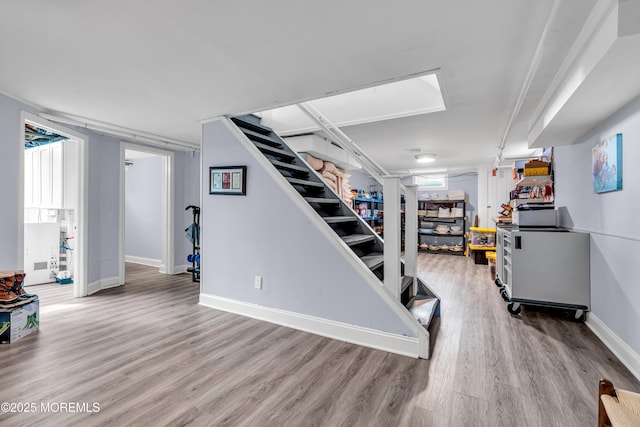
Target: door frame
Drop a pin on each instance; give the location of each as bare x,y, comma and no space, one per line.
80,284
168,215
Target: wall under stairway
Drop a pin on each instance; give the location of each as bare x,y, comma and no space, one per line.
267,234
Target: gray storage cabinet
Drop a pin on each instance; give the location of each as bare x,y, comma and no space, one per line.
544,267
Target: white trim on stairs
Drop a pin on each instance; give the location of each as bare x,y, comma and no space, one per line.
393,343
626,354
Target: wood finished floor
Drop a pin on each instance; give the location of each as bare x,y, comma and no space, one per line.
149,355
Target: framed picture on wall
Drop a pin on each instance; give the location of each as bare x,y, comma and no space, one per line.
606,157
230,180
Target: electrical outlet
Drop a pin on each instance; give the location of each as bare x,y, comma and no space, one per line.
258,282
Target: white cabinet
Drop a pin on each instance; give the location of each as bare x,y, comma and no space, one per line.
44,179
31,178
57,171
41,252
45,176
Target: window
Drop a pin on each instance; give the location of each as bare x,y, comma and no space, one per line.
432,182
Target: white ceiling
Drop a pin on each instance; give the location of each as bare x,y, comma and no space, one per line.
161,66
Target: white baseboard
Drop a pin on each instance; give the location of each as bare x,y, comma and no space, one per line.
621,349
179,269
144,261
393,343
110,282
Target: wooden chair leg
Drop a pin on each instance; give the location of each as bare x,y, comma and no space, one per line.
605,387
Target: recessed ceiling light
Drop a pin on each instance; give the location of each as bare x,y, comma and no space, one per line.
425,158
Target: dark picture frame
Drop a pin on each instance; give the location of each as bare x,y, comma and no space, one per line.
228,180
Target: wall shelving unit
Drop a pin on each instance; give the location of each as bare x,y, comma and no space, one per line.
434,230
369,209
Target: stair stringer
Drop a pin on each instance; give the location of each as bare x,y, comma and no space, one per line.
415,339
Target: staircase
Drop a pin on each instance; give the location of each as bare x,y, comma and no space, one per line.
347,225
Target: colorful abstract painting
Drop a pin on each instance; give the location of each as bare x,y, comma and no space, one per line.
607,165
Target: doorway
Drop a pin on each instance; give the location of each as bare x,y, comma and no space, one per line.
53,204
146,208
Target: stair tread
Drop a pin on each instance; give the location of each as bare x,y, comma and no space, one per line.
354,239
322,200
373,260
335,219
289,166
255,137
274,150
298,181
405,283
422,308
245,124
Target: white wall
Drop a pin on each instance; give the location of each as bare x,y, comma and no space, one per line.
362,181
266,234
104,199
498,189
612,220
468,182
143,208
187,176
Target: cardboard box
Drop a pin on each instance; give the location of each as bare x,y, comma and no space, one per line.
18,322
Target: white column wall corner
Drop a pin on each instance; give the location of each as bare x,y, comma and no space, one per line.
411,232
391,188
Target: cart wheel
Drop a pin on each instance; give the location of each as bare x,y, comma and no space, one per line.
504,295
514,308
578,316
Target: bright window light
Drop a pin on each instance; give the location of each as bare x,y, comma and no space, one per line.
411,97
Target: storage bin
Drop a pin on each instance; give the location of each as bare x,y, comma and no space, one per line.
536,168
479,257
483,237
18,322
536,171
491,258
